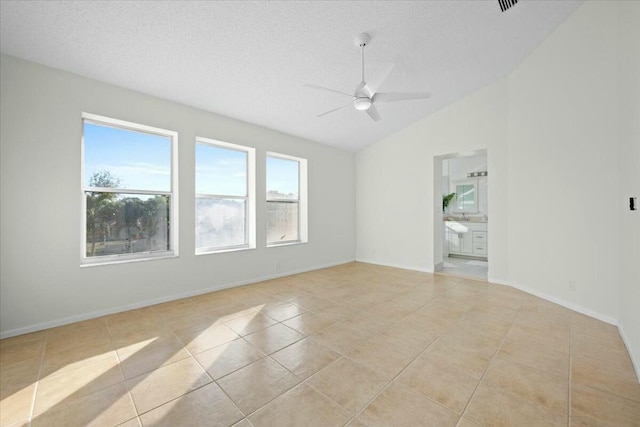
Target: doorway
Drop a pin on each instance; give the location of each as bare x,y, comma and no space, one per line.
461,224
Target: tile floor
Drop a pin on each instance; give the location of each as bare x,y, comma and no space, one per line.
464,267
357,345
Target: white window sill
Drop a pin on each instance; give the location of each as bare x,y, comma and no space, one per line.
222,251
90,262
277,245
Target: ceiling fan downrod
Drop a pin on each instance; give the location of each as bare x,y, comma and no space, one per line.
361,41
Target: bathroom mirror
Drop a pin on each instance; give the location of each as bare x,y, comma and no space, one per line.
466,199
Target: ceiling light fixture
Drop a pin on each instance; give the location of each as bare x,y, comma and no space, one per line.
362,103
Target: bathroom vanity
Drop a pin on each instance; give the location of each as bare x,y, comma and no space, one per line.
467,238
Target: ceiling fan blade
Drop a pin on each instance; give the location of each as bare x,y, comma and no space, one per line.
377,79
399,96
327,89
335,109
373,113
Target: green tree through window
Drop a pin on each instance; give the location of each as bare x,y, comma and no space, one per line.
101,207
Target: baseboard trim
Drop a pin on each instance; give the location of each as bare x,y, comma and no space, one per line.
99,313
401,266
559,301
582,310
634,361
146,303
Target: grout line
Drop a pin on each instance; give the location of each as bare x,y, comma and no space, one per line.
388,384
191,356
484,374
212,379
40,369
147,373
137,418
276,397
175,398
394,292
124,382
115,350
266,355
231,400
327,397
305,381
570,365
198,363
323,394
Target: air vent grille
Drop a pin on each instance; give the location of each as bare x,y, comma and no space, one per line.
506,4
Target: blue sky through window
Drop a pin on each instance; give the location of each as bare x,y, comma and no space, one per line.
141,161
282,175
220,171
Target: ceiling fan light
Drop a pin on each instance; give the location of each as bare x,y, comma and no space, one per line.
362,103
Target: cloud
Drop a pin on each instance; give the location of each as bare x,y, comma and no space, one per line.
139,168
138,175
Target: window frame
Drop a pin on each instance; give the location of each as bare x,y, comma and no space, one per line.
302,200
250,204
173,220
463,182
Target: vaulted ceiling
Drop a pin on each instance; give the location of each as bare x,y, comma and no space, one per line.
250,60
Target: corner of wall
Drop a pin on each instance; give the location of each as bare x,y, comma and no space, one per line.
635,361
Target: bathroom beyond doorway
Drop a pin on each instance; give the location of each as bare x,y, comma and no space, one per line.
464,222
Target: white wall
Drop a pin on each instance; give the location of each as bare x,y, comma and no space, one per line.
398,207
629,167
555,152
563,163
42,283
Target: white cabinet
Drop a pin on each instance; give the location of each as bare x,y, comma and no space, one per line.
480,249
479,236
460,242
479,243
467,238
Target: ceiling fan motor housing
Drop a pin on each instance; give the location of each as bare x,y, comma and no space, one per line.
362,103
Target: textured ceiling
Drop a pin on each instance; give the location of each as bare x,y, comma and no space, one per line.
249,60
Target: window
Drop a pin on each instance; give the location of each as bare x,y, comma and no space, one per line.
129,193
466,198
286,199
225,196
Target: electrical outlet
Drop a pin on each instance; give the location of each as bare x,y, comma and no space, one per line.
277,266
572,285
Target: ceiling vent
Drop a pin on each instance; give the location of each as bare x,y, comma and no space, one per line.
506,4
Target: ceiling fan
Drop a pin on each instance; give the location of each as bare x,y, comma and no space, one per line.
366,94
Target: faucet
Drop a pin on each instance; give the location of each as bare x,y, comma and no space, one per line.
464,217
